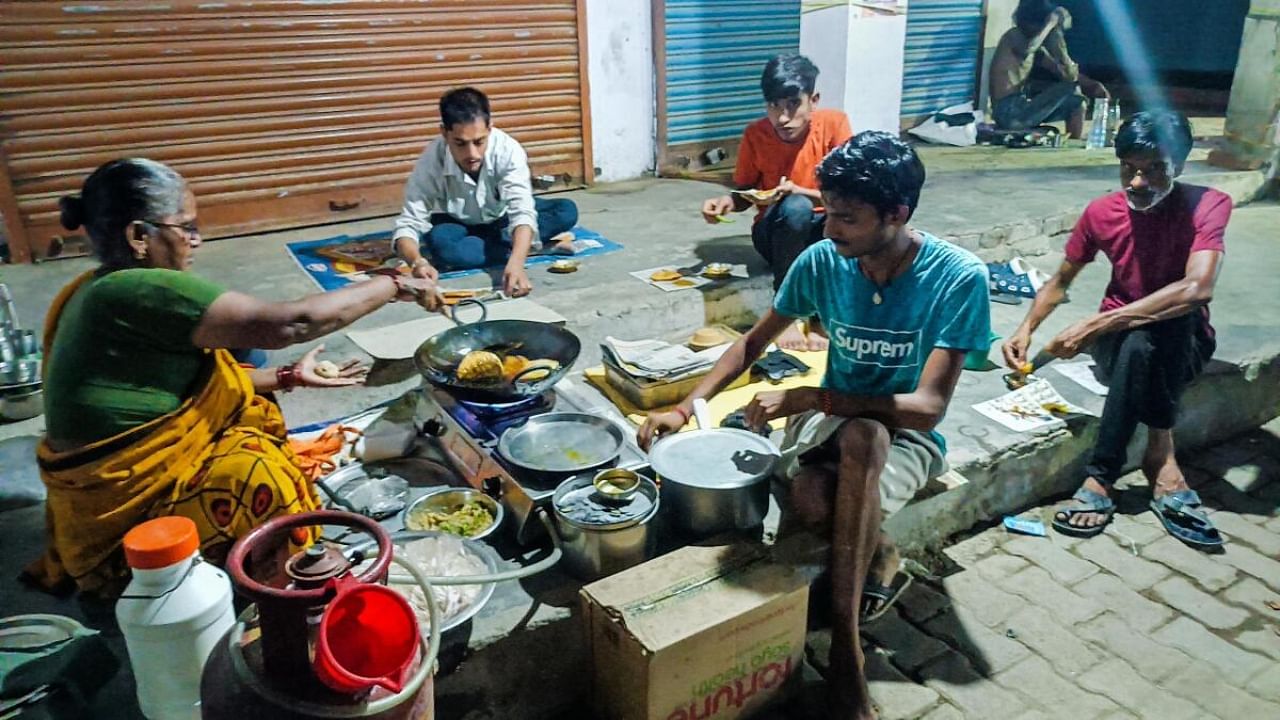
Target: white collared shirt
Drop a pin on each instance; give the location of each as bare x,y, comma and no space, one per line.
438,185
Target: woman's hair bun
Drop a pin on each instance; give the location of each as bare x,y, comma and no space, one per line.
72,207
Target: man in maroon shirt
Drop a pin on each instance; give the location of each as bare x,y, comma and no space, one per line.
1151,337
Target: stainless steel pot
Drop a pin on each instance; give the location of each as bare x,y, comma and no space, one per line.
714,479
21,405
594,549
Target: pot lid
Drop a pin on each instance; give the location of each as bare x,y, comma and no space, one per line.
31,633
715,458
576,501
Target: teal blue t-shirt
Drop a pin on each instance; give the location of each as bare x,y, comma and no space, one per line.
941,301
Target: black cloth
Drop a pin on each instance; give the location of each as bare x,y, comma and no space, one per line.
1146,371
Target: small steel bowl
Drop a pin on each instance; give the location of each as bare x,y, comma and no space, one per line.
448,499
21,406
616,484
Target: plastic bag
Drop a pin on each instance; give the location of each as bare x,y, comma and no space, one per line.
956,125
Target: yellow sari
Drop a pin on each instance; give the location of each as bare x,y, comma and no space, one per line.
220,459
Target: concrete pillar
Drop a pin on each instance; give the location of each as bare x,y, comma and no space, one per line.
1253,113
858,47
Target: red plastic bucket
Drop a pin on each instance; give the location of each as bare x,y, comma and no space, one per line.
368,636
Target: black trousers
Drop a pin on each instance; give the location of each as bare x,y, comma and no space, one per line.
787,228
1146,370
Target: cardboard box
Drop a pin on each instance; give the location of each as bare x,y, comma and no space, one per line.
703,632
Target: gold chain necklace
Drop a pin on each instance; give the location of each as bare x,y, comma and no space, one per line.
878,297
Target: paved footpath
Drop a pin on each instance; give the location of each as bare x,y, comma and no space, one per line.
1128,624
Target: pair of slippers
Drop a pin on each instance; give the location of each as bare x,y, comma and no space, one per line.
1012,281
1180,512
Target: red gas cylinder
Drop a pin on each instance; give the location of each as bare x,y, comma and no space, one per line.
266,667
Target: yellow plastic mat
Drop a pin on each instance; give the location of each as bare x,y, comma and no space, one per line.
727,401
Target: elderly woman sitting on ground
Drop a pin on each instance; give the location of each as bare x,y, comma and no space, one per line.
147,413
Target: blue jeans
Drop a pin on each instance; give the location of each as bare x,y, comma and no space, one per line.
1030,107
785,230
455,245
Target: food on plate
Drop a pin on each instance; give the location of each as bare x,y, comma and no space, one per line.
759,197
717,270
328,369
468,519
665,275
453,297
480,366
441,556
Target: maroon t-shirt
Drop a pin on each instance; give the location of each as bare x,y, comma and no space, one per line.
1149,250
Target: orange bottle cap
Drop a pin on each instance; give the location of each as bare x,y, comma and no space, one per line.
161,542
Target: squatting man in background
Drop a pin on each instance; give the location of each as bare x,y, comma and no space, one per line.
901,308
469,202
1033,78
1151,336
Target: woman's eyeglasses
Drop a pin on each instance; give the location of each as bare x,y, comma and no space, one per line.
189,228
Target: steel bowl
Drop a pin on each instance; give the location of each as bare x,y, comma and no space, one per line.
21,406
486,554
448,499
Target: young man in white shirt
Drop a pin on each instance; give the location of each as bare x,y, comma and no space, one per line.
469,202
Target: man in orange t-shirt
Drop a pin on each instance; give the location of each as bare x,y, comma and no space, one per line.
781,151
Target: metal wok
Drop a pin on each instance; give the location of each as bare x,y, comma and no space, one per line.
438,358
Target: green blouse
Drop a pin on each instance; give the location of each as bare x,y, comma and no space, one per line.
122,354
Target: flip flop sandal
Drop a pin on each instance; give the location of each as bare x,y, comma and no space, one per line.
889,594
1091,502
1181,515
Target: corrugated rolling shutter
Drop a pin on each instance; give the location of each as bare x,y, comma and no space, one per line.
280,112
941,61
712,54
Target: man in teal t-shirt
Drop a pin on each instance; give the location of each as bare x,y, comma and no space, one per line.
902,308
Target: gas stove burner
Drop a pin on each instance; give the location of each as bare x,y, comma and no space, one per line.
466,434
529,405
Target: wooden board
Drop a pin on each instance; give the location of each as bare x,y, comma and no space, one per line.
398,342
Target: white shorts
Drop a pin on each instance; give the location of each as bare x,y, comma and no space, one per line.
914,456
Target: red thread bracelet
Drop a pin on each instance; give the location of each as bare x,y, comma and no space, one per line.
684,416
287,377
825,396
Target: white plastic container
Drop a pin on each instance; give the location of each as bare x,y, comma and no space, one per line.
173,613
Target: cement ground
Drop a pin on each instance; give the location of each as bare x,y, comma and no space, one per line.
658,223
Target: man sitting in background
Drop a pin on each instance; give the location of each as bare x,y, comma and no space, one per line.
1151,336
1033,79
782,151
470,204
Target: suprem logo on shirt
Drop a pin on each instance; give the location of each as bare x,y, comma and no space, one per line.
874,346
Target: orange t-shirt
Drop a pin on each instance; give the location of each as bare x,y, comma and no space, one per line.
764,158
